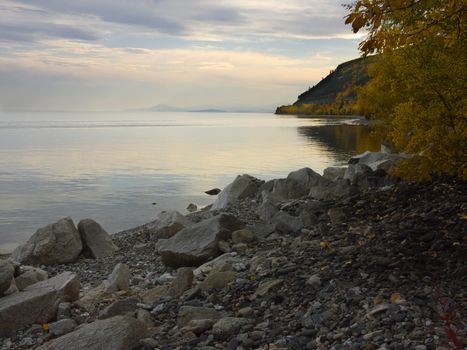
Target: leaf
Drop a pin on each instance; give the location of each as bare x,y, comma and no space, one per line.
45,326
395,297
325,245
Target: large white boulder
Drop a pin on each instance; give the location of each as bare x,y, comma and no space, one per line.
242,187
197,244
115,333
37,303
56,243
97,243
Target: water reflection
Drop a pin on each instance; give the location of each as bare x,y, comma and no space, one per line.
112,170
342,140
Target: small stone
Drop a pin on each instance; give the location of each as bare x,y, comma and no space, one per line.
118,279
192,207
120,307
213,191
218,280
245,312
265,287
183,280
198,326
62,327
63,310
314,281
243,236
227,327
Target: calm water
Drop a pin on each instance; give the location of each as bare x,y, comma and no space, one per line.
112,167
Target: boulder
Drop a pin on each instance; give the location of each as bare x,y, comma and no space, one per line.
7,272
377,160
189,313
168,223
197,244
29,276
334,173
115,333
97,243
337,189
355,172
56,243
37,303
297,184
119,279
242,187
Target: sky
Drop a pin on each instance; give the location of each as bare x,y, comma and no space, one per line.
105,55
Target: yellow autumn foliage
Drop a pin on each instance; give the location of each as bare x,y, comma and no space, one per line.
418,84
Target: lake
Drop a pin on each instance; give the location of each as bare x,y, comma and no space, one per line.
112,167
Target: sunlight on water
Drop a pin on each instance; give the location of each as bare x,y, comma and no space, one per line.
112,167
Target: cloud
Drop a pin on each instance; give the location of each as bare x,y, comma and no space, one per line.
71,73
106,54
197,20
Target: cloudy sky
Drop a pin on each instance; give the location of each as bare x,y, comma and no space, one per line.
119,54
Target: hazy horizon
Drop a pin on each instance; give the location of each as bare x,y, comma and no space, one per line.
117,55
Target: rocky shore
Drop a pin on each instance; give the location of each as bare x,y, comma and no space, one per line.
352,259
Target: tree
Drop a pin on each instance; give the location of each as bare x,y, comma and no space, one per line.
418,85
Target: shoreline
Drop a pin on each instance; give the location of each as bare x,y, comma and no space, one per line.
366,269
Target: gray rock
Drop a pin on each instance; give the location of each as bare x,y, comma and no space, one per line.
29,276
183,280
356,171
64,310
286,223
227,327
266,286
189,313
297,184
119,307
334,173
217,264
243,236
119,279
268,207
7,272
242,187
314,281
168,223
192,207
116,333
197,244
218,280
198,326
37,303
62,327
97,243
12,289
57,243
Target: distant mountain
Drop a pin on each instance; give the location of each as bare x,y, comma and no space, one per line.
340,83
202,109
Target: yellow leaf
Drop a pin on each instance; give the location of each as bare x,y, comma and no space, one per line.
45,326
395,297
378,300
325,245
